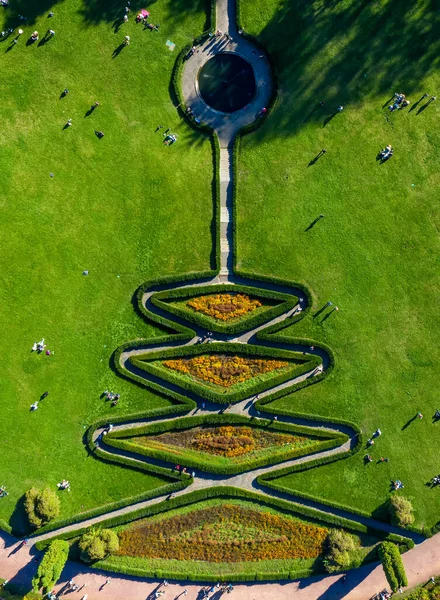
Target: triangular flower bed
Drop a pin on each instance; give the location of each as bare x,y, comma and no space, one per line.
225,308
225,372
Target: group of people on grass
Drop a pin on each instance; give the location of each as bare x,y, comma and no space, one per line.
386,153
64,485
114,398
400,101
40,347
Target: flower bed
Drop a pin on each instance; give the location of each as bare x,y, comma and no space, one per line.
223,532
208,305
268,442
298,364
224,370
227,441
224,307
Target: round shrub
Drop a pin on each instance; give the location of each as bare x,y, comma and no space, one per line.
96,544
401,511
41,506
339,546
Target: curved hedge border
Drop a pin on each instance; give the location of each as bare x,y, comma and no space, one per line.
250,321
120,439
274,71
223,419
228,493
226,348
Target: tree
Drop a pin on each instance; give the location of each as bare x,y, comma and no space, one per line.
96,544
41,506
401,511
51,566
339,546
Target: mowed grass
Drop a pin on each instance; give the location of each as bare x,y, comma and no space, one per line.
125,207
375,254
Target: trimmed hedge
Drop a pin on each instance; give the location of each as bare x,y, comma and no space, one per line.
224,419
120,439
392,565
226,493
203,390
275,85
213,467
285,302
4,526
108,508
51,566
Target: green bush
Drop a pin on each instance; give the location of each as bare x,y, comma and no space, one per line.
96,544
339,545
51,566
100,510
392,565
41,506
401,511
420,594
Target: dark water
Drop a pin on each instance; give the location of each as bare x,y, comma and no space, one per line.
227,83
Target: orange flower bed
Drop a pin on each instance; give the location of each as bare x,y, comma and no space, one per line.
223,533
228,441
224,370
224,307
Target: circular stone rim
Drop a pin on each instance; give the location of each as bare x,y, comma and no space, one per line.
199,93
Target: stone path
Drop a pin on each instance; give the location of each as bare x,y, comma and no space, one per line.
226,125
226,233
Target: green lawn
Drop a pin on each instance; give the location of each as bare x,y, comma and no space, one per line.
124,207
375,254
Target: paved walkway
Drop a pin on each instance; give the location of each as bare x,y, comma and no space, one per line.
17,564
226,125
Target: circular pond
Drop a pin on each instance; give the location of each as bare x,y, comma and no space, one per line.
227,82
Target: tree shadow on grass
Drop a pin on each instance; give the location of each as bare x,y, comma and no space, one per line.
357,47
98,11
19,521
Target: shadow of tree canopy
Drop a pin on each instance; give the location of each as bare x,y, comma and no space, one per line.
97,11
338,51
